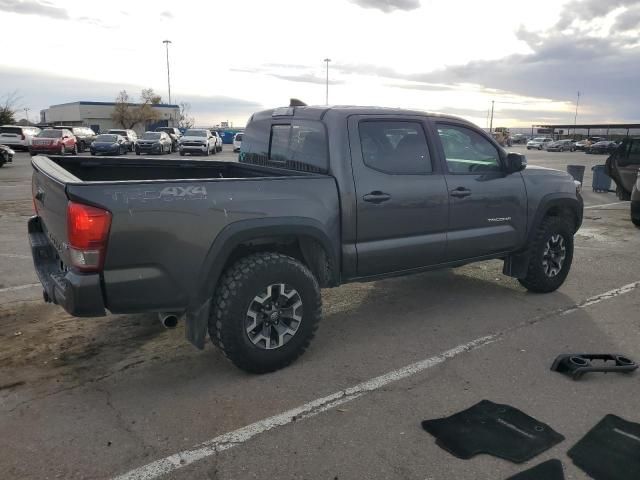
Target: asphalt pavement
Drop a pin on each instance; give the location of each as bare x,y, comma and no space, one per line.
121,396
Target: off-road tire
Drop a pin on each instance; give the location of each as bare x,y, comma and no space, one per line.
536,280
622,194
236,290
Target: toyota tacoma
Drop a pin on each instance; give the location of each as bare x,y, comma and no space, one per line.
320,196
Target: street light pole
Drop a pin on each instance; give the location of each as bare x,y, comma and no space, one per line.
166,43
327,60
491,122
575,118
26,113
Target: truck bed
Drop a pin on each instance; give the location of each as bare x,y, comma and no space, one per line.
168,220
109,169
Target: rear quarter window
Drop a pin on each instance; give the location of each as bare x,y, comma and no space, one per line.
295,145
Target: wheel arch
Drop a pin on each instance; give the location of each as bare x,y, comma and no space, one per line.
299,237
557,205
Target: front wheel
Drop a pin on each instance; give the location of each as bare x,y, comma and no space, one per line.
550,255
265,312
75,150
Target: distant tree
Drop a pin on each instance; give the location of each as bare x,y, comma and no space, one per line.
124,114
128,116
149,96
9,107
186,120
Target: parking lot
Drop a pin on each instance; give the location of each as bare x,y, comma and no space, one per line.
120,395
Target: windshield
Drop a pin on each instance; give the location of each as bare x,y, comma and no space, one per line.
239,137
151,136
50,134
107,138
539,139
119,132
165,129
195,133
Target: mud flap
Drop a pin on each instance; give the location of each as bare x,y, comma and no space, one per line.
196,324
516,265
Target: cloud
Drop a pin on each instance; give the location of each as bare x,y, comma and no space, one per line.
167,14
65,90
628,20
388,5
573,55
288,72
33,7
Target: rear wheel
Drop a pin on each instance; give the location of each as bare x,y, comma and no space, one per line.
550,256
75,150
265,312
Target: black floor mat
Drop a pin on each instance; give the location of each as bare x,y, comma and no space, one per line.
549,470
610,451
498,430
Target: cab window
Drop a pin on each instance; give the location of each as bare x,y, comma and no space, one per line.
468,152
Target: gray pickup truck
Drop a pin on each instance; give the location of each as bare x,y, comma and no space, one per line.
320,196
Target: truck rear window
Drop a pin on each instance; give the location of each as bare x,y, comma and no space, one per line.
297,145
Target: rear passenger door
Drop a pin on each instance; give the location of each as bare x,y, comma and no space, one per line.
401,194
488,206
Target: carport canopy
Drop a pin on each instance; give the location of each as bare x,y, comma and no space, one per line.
564,129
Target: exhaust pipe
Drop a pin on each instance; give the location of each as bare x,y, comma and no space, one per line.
168,320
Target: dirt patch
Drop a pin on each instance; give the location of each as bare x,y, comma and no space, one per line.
22,207
40,341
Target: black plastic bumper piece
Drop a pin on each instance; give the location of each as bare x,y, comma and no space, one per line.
79,294
577,364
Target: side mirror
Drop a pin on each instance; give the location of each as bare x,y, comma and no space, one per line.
516,162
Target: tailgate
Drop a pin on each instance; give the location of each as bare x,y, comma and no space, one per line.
48,185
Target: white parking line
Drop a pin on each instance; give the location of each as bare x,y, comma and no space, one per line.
237,437
232,439
604,205
19,287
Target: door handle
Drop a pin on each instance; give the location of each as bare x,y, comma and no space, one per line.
460,192
376,197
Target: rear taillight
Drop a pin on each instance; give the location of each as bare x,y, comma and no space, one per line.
87,233
22,136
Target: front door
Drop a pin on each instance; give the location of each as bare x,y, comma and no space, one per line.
488,207
401,195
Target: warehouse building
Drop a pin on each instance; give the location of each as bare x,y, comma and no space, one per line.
97,116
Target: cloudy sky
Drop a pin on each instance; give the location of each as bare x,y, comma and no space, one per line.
231,58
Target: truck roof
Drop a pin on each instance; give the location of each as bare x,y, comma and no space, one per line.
317,112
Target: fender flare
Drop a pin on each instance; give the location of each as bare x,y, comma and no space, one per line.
552,200
516,264
228,239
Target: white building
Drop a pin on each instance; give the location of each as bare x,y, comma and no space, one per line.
97,115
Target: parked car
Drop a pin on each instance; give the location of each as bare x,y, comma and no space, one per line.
587,142
84,135
602,147
539,143
519,138
245,260
622,166
174,134
6,155
635,203
197,140
130,136
237,142
218,140
110,144
561,146
17,136
53,141
154,142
